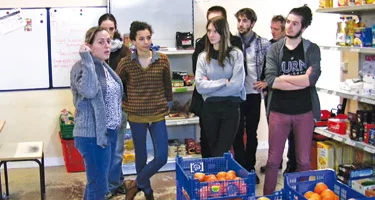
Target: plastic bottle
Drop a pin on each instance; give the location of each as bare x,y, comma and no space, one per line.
340,34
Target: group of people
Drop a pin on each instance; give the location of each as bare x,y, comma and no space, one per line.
234,72
112,85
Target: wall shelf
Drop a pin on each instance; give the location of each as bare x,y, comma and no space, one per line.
177,52
367,50
345,139
182,89
345,94
349,10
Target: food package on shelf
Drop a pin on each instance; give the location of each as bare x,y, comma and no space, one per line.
362,185
325,155
129,157
128,144
337,149
352,85
349,172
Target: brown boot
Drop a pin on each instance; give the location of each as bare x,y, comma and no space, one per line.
150,196
132,190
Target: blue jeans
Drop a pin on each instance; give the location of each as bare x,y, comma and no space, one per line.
159,136
96,160
115,176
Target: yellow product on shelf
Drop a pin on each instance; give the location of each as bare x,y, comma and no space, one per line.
325,155
129,145
348,151
337,147
129,157
369,1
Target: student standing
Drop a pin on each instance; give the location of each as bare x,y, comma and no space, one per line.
97,95
255,50
278,33
147,79
293,68
220,79
118,51
197,101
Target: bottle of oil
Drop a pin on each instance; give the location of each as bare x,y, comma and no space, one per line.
340,35
349,31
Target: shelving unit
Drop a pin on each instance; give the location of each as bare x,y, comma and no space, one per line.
177,52
349,10
348,95
345,139
182,89
366,50
368,12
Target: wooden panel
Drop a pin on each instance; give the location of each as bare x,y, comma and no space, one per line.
352,58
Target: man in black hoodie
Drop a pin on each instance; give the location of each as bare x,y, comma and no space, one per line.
197,100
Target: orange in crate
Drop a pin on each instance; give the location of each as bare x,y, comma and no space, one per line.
73,159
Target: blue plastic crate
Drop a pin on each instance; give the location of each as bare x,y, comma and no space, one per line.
190,189
297,184
278,195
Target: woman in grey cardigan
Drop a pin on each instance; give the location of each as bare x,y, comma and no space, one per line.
97,95
220,77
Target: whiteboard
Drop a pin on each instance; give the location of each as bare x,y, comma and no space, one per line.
166,17
265,10
68,29
24,53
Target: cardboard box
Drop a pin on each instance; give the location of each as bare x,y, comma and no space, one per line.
337,149
325,155
362,185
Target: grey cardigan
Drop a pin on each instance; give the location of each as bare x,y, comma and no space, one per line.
312,58
89,87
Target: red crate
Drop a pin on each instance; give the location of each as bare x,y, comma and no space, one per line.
72,157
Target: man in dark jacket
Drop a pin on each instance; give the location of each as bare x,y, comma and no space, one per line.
197,100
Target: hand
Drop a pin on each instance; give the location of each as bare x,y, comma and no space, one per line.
308,71
260,85
84,48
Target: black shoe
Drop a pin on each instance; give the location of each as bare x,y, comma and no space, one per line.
121,190
289,169
257,179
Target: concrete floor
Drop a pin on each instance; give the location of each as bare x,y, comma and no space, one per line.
60,185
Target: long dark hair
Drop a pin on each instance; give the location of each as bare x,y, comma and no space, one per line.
112,18
222,27
305,13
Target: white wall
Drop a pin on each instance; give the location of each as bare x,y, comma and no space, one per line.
33,115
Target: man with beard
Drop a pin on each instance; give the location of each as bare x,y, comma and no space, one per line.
293,68
278,32
197,102
255,50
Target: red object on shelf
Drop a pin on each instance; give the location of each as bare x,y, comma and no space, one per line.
325,114
337,126
73,159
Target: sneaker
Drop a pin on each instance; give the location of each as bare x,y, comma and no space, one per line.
132,190
121,190
109,195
